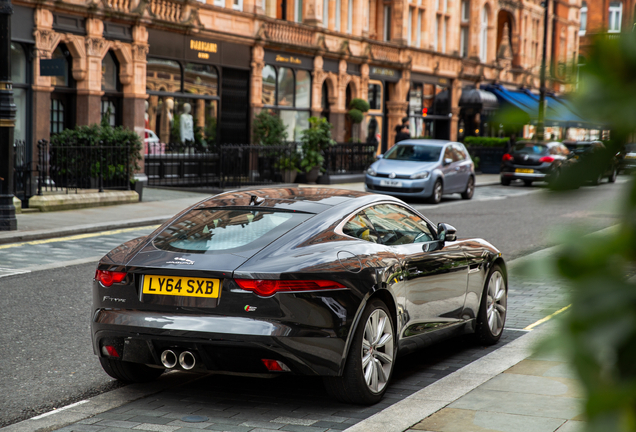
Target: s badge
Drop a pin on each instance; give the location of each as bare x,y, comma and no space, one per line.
249,308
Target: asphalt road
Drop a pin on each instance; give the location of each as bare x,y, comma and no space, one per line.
46,360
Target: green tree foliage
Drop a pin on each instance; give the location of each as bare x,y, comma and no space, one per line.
268,129
598,333
314,141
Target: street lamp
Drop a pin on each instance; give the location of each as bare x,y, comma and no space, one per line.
540,122
8,221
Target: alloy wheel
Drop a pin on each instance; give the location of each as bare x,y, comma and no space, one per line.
497,302
437,192
377,350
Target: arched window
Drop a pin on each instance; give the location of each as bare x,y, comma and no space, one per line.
583,26
62,97
483,36
615,17
111,100
269,86
464,29
21,86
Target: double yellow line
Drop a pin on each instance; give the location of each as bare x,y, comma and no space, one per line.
76,237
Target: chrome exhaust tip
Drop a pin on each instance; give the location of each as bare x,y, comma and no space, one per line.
187,360
168,359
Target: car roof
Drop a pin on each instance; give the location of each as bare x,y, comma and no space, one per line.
434,142
309,199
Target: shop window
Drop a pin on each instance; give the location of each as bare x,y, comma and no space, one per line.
583,20
269,85
201,79
62,80
111,100
324,101
63,95
375,96
109,111
285,87
303,89
291,91
20,90
58,116
109,73
163,75
615,17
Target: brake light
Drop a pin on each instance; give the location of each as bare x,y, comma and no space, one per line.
507,157
549,159
266,288
107,278
275,365
109,350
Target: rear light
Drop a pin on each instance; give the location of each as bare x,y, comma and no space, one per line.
107,278
507,157
275,365
548,159
266,288
109,350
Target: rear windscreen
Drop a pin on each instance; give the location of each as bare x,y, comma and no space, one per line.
531,148
416,153
227,230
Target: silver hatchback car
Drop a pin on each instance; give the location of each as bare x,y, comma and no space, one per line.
423,168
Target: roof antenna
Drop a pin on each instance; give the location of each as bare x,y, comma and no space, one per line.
254,200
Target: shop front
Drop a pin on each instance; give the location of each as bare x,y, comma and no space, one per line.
376,122
429,106
286,90
197,90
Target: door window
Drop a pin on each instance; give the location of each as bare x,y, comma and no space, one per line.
396,225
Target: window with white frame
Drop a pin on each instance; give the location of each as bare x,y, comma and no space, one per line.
615,17
436,33
237,5
349,16
338,9
219,3
464,29
483,46
409,27
418,36
583,26
298,10
444,25
325,13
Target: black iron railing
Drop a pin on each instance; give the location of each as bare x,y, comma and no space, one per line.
22,174
228,166
73,167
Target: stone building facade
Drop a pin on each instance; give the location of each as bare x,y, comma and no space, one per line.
146,63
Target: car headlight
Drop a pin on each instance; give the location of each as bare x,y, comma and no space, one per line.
421,175
371,172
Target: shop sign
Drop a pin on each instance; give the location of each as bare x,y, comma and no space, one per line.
53,67
378,72
200,49
430,79
289,60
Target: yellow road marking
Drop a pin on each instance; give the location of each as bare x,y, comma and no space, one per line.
76,237
548,318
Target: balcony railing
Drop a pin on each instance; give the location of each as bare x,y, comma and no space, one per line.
289,34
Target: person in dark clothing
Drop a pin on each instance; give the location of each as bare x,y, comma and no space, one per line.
402,132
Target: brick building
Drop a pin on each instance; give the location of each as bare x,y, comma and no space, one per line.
604,18
145,63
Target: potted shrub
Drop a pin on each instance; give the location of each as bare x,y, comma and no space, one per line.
314,141
268,130
288,167
357,108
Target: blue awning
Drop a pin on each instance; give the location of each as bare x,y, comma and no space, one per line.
558,111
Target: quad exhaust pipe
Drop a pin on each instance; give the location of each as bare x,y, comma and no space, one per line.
186,359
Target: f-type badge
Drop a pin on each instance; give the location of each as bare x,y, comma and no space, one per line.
181,261
249,308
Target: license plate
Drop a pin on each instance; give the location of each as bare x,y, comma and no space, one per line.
391,183
629,156
524,170
181,286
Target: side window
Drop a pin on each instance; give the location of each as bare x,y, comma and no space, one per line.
360,227
396,225
553,149
448,153
458,153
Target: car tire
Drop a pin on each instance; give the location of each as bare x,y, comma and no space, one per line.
370,361
612,177
130,372
492,310
505,181
527,182
438,191
470,189
597,181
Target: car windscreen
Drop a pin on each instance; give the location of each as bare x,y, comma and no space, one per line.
414,152
531,148
227,230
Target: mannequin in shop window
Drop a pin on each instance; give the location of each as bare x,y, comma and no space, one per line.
187,125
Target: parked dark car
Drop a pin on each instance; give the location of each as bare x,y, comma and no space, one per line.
423,168
309,281
584,153
532,161
627,159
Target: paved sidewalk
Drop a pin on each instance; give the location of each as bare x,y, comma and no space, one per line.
157,206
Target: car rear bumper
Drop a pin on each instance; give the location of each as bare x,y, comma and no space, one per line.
539,172
220,343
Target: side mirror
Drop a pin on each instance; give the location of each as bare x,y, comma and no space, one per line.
448,161
446,232
379,156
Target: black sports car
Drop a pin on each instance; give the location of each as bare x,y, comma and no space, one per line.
532,161
308,281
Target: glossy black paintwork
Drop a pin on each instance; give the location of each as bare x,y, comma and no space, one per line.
432,289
